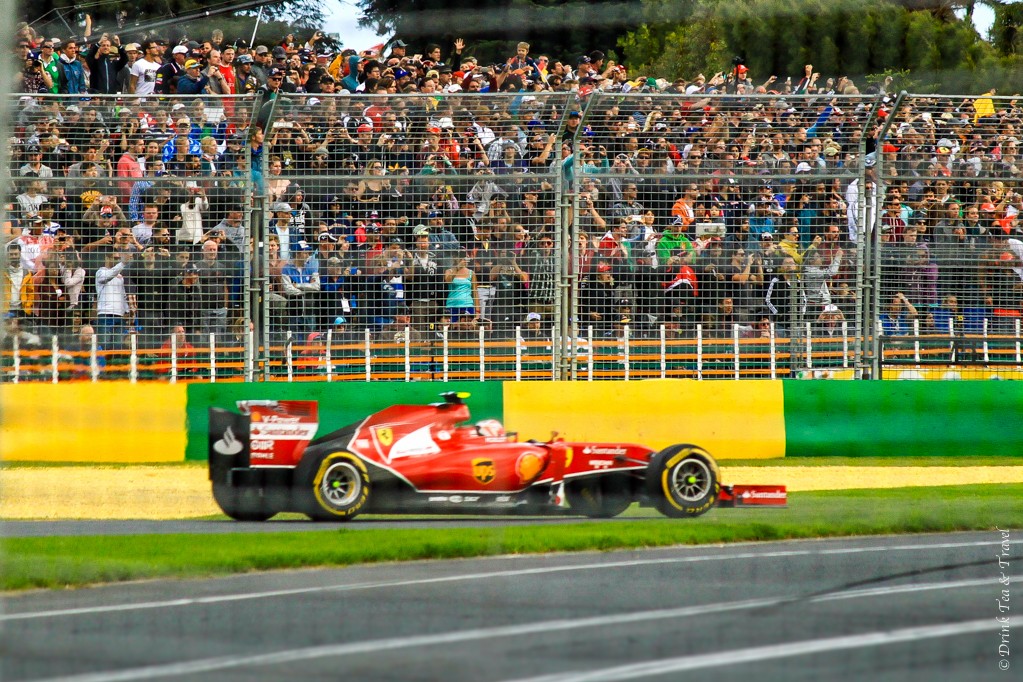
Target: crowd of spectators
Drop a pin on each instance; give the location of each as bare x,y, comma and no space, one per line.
399,195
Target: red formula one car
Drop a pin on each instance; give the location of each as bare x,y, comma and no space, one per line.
430,459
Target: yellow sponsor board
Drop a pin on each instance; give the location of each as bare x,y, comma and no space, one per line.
92,422
731,419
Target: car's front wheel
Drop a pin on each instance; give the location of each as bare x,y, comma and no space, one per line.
340,487
683,481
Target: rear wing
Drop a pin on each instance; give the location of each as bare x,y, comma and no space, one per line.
264,433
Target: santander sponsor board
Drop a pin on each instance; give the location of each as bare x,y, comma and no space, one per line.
279,430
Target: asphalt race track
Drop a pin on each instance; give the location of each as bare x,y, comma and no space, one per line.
888,608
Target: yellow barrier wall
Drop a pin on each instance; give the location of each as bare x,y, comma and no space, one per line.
92,422
731,419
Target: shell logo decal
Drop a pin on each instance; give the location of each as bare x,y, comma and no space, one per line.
528,466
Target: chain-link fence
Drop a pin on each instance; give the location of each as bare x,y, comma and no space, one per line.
723,232
950,249
127,238
457,235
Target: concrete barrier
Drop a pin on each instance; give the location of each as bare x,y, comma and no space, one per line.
903,418
122,422
340,403
731,419
92,422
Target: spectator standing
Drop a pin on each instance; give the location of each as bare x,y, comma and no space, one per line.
815,279
542,269
112,309
167,75
192,81
142,80
462,300
50,61
129,166
132,52
301,282
104,62
214,279
73,79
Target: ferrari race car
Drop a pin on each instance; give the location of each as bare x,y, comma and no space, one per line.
419,459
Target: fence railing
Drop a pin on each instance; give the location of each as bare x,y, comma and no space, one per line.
746,353
414,237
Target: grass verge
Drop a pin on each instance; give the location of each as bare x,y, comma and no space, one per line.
76,561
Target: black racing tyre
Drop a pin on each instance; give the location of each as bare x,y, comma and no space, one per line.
339,487
683,481
242,503
598,497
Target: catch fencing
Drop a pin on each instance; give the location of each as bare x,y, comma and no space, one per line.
515,237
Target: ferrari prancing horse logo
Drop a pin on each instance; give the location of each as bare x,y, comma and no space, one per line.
483,470
385,435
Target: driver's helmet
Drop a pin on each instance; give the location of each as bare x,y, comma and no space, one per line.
490,428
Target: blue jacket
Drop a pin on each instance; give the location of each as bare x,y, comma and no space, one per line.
72,77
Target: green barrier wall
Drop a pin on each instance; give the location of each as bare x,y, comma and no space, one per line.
903,418
340,403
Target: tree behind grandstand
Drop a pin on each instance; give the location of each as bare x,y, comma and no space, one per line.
852,38
67,17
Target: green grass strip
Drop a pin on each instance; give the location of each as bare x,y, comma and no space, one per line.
75,561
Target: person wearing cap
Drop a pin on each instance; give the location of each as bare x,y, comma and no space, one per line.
397,50
192,81
130,54
280,219
182,139
34,166
423,280
262,60
142,80
245,81
167,75
301,280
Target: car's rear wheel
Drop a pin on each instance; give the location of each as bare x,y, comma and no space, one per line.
599,497
242,503
340,487
683,481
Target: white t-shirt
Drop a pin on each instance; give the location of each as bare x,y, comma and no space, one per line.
145,71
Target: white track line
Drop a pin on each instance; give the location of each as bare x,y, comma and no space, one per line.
459,637
765,653
217,599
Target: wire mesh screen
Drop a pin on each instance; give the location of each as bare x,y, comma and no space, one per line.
950,258
426,227
456,235
127,244
719,236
